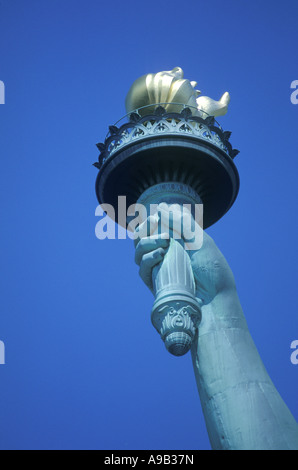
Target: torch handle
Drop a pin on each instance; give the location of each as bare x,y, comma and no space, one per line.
176,312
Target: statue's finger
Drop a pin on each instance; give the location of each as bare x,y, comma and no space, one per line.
148,262
180,224
146,228
148,244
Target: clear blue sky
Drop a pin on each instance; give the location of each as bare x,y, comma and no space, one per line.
85,368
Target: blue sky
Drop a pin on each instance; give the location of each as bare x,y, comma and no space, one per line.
84,366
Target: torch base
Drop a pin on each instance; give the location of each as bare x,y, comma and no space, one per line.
176,318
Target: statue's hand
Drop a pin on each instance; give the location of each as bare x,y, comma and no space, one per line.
150,249
211,270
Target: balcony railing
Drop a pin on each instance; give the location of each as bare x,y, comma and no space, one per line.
164,119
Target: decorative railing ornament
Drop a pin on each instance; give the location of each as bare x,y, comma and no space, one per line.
163,123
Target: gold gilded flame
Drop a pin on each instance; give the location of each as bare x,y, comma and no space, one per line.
170,87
